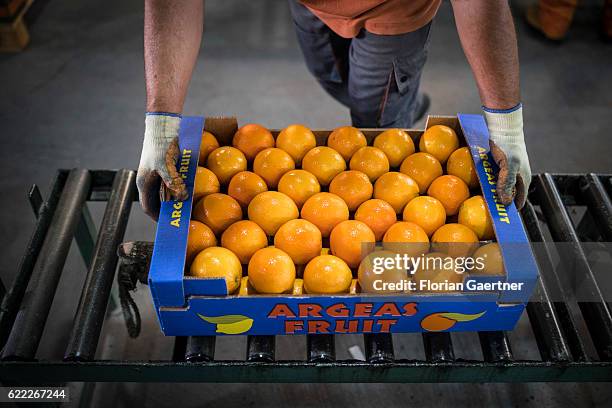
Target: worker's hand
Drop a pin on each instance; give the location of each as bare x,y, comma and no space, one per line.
160,152
507,144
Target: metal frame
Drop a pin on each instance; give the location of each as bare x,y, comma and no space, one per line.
63,216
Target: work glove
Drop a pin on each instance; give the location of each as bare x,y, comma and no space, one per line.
507,144
158,160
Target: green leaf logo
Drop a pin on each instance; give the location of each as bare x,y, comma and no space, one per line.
227,319
460,317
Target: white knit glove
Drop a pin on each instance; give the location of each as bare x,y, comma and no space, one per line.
507,144
160,152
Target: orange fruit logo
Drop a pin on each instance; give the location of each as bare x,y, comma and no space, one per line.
441,321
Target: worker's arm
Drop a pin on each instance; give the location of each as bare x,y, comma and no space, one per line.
488,38
172,36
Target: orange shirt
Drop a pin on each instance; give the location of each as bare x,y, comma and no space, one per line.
385,17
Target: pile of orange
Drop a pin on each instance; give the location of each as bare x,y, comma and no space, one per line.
273,204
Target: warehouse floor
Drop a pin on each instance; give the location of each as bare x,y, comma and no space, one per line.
75,98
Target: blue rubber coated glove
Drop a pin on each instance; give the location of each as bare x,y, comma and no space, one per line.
507,143
160,152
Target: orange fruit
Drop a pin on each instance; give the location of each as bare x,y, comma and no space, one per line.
300,239
461,164
205,183
251,139
396,188
436,322
225,162
375,277
436,268
451,191
324,162
244,238
455,240
350,240
473,214
200,237
296,140
439,141
427,212
325,210
208,144
370,160
217,262
300,185
272,209
346,140
406,238
423,168
327,274
271,270
244,186
353,187
396,144
271,164
491,258
218,211
378,215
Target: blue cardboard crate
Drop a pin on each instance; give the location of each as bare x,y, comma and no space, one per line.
188,306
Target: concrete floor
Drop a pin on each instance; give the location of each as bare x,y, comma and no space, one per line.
75,98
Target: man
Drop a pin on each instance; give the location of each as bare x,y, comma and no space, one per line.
367,54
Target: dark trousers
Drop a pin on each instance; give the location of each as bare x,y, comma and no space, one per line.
376,76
